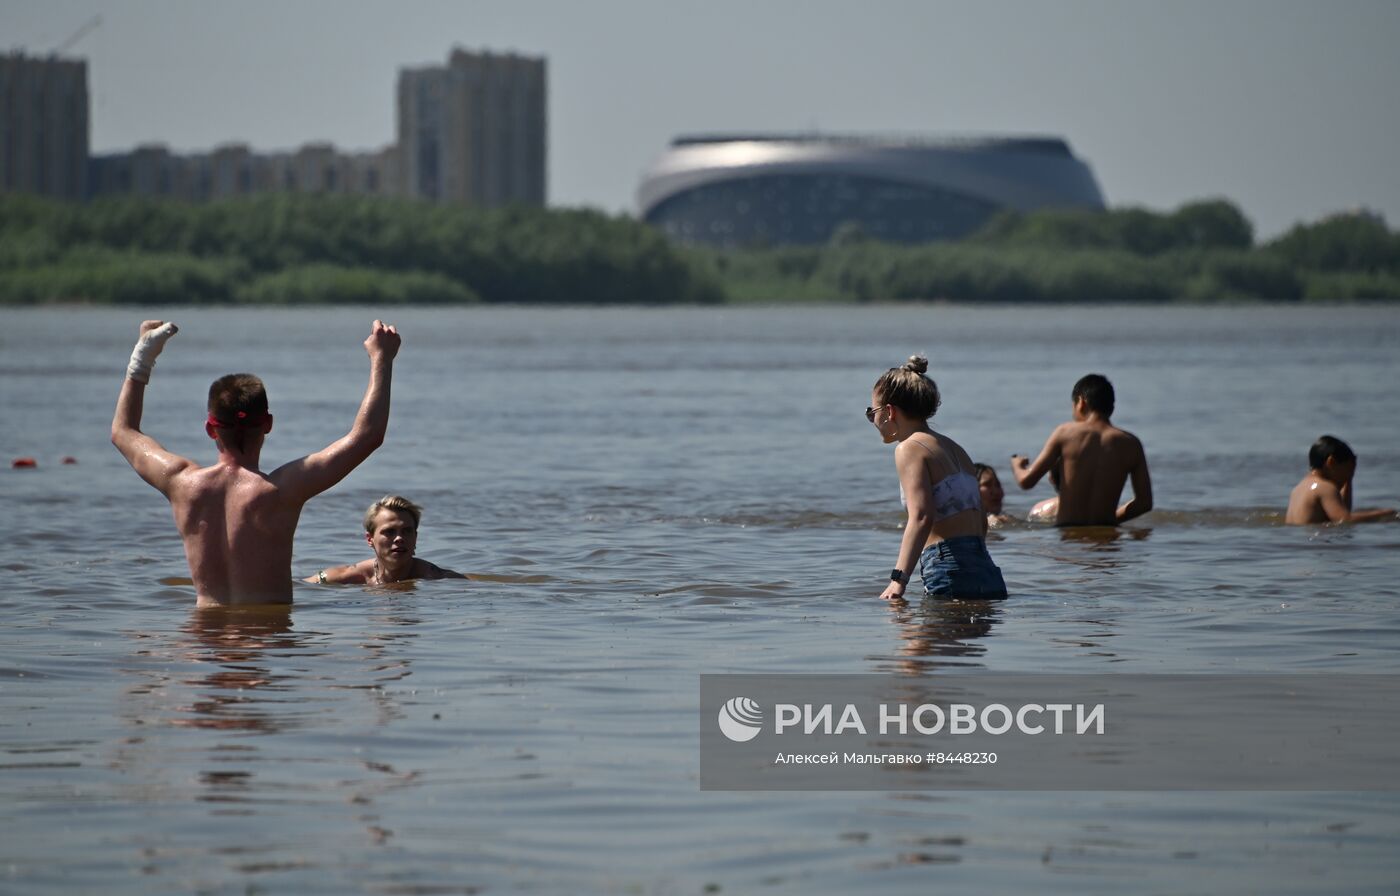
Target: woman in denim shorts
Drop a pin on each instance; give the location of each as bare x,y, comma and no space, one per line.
938,482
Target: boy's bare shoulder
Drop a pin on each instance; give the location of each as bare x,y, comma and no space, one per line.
1313,488
1121,437
1076,435
351,574
1305,505
429,570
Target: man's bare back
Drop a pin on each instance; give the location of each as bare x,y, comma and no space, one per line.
1096,459
238,523
225,513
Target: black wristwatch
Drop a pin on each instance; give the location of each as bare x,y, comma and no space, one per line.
900,576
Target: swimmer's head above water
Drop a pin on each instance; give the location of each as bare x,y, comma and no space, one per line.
396,503
391,530
909,388
1333,458
238,411
1096,394
990,488
906,388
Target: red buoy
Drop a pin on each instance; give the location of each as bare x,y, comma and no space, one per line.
22,462
70,459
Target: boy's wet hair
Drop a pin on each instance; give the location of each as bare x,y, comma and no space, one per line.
396,503
979,469
908,389
1096,391
238,402
1329,447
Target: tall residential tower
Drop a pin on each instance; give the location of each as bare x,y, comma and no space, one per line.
43,126
473,131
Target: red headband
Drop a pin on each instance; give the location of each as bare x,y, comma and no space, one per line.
243,421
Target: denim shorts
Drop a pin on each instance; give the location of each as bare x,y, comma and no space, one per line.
961,569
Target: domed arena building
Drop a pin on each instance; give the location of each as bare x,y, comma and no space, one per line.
759,190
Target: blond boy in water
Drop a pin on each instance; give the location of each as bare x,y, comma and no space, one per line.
391,528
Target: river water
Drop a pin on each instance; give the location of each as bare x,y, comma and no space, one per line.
644,496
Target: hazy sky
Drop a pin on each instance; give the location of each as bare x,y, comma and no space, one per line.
1291,109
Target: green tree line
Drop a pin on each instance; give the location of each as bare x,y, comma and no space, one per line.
283,249
1201,252
310,249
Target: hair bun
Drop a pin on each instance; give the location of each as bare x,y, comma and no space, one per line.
917,363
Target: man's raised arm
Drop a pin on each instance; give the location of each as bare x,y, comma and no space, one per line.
313,474
1027,474
146,456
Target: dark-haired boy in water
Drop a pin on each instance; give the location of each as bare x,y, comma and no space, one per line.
237,522
1324,495
1096,460
391,528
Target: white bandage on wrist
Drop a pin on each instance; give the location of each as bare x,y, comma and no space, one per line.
143,356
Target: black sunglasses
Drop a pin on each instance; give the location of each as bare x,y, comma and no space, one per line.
870,412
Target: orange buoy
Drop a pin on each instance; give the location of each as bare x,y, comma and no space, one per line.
23,462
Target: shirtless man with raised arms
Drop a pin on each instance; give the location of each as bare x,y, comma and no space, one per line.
1096,458
236,521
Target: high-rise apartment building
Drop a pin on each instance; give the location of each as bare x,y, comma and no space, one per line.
473,131
43,126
